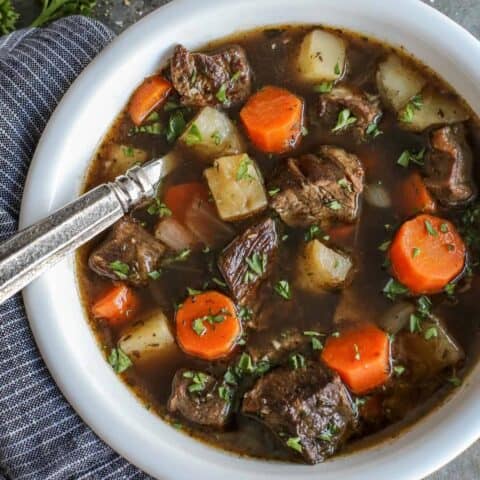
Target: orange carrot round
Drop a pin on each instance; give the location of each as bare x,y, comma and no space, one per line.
148,96
207,325
273,119
414,196
361,356
117,305
426,254
178,197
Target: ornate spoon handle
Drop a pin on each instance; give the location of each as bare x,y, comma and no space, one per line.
27,254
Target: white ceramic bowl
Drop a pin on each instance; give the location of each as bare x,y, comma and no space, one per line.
71,137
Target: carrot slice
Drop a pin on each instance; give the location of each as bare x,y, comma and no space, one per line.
207,325
148,96
414,196
117,305
360,356
273,119
426,254
178,198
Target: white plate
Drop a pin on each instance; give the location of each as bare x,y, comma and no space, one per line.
55,177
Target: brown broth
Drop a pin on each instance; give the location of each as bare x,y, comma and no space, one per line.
270,54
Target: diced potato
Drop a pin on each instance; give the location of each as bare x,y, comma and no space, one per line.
322,56
148,338
321,268
436,109
122,157
237,187
212,134
428,351
398,82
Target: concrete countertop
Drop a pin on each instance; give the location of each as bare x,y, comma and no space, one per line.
119,14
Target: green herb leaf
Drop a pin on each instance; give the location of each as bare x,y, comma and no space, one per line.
225,393
120,269
431,231
272,192
415,252
373,130
283,289
158,208
295,444
316,344
345,119
409,156
450,289
217,137
193,135
455,381
296,361
243,169
334,205
222,93
192,292
336,70
393,289
245,313
119,360
8,17
345,184
55,9
257,263
171,105
412,106
181,257
176,126
398,370
198,327
385,246
199,381
415,323
154,274
430,333
324,87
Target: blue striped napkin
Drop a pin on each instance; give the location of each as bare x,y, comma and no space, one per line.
41,437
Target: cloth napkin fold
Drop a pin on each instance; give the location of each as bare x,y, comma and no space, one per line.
41,437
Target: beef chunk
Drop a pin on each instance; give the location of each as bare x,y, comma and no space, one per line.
307,403
364,107
129,253
223,78
195,396
249,259
319,188
449,166
275,348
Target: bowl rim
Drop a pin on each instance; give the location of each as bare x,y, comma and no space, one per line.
181,456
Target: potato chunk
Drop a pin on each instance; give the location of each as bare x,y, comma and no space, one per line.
321,268
398,82
120,158
322,56
237,187
148,338
212,134
436,109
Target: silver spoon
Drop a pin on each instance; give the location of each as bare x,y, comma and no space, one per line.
27,254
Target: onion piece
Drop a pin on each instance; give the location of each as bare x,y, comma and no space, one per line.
202,219
377,196
173,234
397,317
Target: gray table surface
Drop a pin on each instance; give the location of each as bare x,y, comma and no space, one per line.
119,14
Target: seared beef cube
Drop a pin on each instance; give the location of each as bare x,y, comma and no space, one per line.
319,188
275,347
249,259
449,166
364,107
195,396
129,253
307,405
222,79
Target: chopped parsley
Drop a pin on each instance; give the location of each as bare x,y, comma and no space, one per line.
199,381
450,289
216,137
176,126
295,444
222,93
153,117
193,135
430,229
273,191
225,393
336,70
296,361
345,184
393,289
385,246
154,274
323,87
158,208
408,156
373,130
120,269
245,313
334,205
219,282
329,432
198,327
192,292
304,131
455,381
171,105
128,151
412,106
180,257
315,231
399,370
444,228
257,265
416,252
243,169
415,323
345,119
119,360
430,333
151,129
283,289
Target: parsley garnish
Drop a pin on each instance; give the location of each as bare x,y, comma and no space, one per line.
193,135
416,252
120,269
283,289
222,93
295,444
345,119
176,126
158,208
296,361
385,246
315,231
199,381
217,137
324,87
431,231
181,257
119,360
336,70
154,274
257,265
413,105
273,191
328,433
393,289
373,130
408,156
152,129
242,171
431,332
450,289
455,381
245,313
398,370
334,205
192,292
